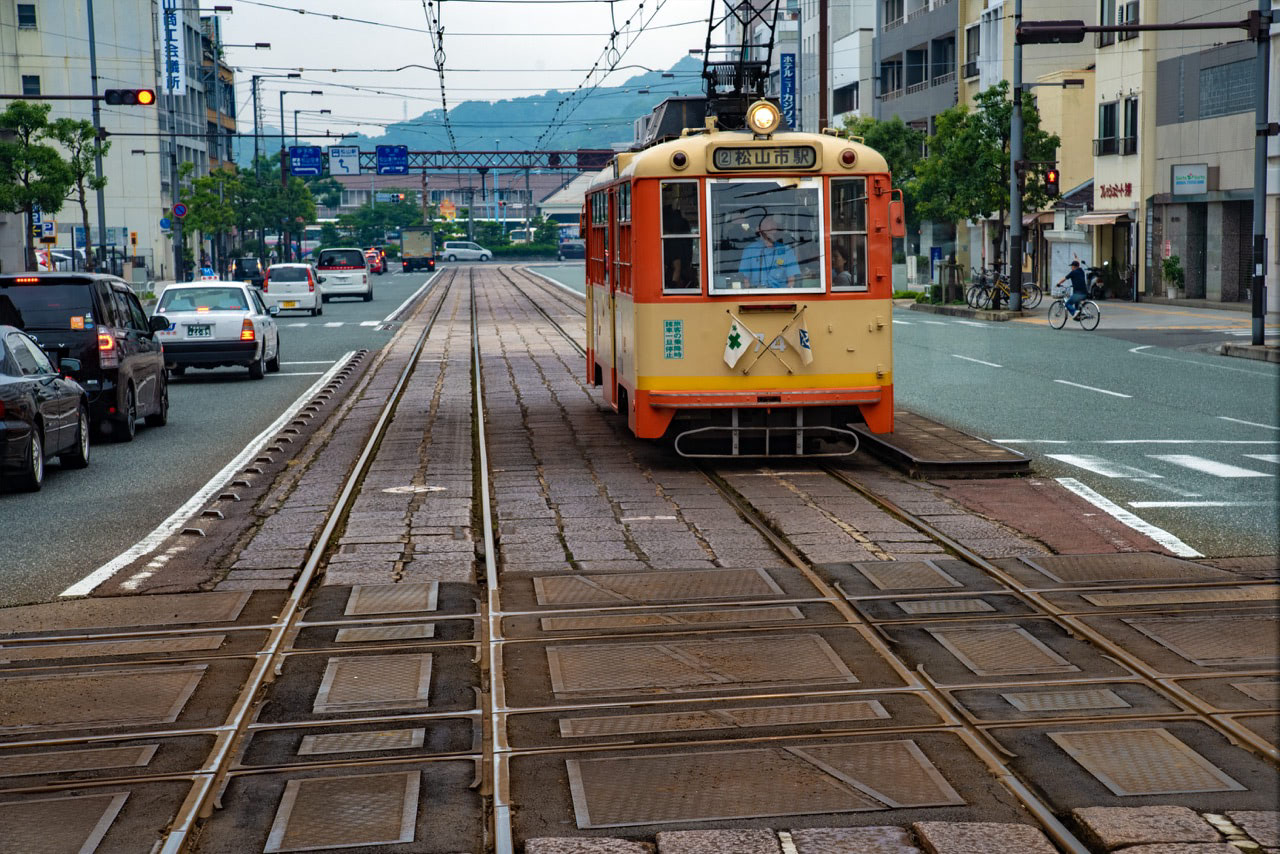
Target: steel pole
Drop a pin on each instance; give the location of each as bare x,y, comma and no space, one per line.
1261,137
283,238
173,168
97,157
1015,157
824,35
257,129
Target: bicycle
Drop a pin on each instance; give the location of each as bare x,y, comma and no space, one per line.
981,293
1087,314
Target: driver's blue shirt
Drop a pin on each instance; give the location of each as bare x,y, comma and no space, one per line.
768,266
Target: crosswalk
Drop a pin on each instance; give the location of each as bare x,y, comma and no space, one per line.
1190,462
332,324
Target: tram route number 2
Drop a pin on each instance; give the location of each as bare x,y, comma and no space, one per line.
673,339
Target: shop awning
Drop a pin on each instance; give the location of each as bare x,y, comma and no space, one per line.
1033,218
1103,218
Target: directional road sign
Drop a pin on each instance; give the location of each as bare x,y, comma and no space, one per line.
306,160
344,160
393,160
35,214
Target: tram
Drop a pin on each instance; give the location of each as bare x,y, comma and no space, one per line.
739,287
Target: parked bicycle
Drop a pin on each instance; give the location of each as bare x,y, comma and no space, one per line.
1087,314
982,292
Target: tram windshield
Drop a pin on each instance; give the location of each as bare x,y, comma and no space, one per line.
766,235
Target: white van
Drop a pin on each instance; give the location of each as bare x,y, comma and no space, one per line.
465,250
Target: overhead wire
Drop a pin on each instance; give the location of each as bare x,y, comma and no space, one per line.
436,24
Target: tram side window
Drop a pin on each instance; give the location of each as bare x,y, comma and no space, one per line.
681,267
849,234
766,234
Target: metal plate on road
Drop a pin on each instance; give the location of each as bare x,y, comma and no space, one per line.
343,636
1197,643
938,607
1109,569
345,812
908,577
449,599
375,682
1236,693
1181,599
24,766
132,612
403,598
1001,650
668,619
389,739
1064,701
655,587
124,817
1149,761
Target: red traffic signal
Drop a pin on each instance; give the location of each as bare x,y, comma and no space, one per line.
1052,179
1050,32
130,97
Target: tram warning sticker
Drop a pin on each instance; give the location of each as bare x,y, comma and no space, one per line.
673,339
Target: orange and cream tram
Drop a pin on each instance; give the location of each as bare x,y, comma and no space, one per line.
739,287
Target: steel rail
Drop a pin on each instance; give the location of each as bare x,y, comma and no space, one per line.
198,804
1163,683
582,351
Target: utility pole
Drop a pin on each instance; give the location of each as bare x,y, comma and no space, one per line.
257,124
1262,135
97,157
175,220
1015,165
824,33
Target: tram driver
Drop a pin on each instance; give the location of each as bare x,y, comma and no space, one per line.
768,262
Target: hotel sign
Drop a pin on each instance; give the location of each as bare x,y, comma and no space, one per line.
1190,179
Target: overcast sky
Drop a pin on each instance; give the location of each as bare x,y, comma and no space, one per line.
494,50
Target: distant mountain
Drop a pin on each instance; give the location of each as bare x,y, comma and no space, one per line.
599,121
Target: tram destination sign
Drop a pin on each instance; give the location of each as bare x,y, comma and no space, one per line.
742,158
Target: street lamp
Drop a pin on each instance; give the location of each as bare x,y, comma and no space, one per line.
284,175
257,131
295,120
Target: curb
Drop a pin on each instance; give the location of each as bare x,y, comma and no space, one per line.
1260,353
965,311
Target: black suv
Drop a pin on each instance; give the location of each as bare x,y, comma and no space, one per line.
247,270
98,321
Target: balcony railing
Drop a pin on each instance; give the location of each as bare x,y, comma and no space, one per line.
970,70
891,95
1106,145
923,10
944,79
917,87
1128,145
892,25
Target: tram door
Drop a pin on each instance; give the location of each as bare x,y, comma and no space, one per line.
611,279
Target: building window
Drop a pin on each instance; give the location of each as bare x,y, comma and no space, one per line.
1128,15
26,16
894,10
1106,142
1106,18
1226,89
30,84
846,99
972,43
1129,143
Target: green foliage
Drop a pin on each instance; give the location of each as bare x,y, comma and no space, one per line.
905,294
901,146
491,235
82,145
966,174
526,250
31,171
211,201
545,231
369,224
1171,271
327,191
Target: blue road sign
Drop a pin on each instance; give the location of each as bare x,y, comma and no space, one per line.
393,160
179,210
306,160
166,223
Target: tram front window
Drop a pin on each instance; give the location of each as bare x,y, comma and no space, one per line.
766,235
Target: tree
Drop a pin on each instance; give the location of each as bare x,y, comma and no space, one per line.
211,204
370,223
327,191
83,147
901,146
545,231
966,173
32,173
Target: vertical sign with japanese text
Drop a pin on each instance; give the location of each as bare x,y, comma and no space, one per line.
788,88
173,77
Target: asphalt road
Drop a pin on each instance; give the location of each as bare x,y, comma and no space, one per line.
1184,440
80,520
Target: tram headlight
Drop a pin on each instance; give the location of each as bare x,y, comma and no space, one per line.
763,117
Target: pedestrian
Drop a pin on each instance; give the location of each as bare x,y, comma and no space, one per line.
1079,289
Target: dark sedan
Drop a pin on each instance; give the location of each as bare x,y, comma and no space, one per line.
573,249
42,413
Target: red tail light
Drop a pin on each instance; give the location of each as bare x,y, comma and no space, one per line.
246,330
311,284
266,277
108,357
1,409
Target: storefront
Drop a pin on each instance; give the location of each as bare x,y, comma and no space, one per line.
1209,231
1115,242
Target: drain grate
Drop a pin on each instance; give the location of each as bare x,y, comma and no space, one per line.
360,742
945,606
403,598
108,698
687,665
1143,762
683,618
740,718
1071,700
107,649
905,575
160,610
1259,593
344,812
373,682
56,825
643,587
1141,566
755,783
1263,692
77,760
364,634
1238,640
1001,650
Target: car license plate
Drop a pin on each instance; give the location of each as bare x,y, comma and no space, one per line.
289,304
201,331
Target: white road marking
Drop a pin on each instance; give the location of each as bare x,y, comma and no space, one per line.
1266,458
1248,423
1159,535
1098,465
971,323
333,325
371,323
1139,350
648,519
903,322
1212,467
1091,388
170,526
1141,504
1133,441
393,315
934,322
296,325
979,361
318,362
298,374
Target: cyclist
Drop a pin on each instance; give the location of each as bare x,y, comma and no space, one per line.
1079,289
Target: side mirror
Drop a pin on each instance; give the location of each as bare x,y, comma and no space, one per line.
158,323
273,310
319,280
69,366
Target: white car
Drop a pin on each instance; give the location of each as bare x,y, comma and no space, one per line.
345,272
292,287
214,324
465,250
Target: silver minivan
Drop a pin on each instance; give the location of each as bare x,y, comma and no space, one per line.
465,250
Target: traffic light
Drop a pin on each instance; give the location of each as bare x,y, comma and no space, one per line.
130,97
1050,32
1051,181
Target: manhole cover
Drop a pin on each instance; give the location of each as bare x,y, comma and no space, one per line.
62,761
1143,762
345,812
648,587
412,490
75,823
360,742
1068,700
687,665
740,718
905,575
109,698
1236,640
741,784
403,598
1003,650
374,682
683,618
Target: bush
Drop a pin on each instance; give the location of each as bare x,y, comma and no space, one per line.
525,250
906,294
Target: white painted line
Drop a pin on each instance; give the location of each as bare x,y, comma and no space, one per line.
978,361
1101,466
371,323
296,325
1160,535
1091,388
334,324
298,374
413,296
648,519
170,526
1133,441
971,323
1139,351
902,322
317,362
1248,423
1266,458
561,285
1212,467
934,322
1141,504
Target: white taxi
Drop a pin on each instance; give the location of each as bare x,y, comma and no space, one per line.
215,324
292,287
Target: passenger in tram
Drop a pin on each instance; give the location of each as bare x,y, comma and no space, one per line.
678,249
840,275
768,262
